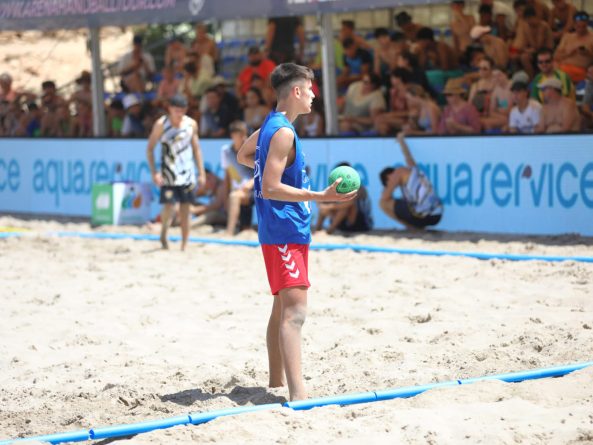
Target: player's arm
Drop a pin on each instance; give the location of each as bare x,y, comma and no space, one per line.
272,186
198,158
246,154
410,162
155,134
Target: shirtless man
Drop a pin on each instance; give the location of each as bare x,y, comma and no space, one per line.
559,114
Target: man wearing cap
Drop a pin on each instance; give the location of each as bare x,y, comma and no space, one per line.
132,125
259,65
547,71
180,149
575,50
559,114
526,113
459,116
494,47
136,67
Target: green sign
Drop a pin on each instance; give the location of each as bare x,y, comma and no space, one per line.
102,208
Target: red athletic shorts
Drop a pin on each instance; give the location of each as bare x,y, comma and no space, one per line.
286,265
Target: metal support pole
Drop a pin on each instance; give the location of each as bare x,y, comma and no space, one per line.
328,66
97,84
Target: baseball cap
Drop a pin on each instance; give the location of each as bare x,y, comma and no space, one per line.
130,100
478,31
551,83
178,100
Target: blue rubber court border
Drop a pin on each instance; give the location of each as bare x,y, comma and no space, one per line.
319,246
110,432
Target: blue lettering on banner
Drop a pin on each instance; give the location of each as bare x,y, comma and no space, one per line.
10,175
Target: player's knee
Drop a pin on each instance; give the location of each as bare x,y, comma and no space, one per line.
295,316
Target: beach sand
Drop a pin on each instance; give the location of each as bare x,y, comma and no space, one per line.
105,332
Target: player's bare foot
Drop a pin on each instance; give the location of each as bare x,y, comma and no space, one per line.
164,242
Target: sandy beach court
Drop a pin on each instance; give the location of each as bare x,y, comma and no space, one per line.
104,332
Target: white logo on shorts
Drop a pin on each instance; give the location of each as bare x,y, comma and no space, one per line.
286,258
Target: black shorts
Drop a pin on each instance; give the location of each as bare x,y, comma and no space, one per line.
359,225
403,213
170,194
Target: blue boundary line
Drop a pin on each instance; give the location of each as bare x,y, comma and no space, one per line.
320,246
342,400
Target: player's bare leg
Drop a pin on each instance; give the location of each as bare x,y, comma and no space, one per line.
166,214
276,365
184,223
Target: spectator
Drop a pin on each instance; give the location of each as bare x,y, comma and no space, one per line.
229,100
83,93
133,125
311,124
349,216
115,118
526,113
424,112
503,16
204,44
409,62
420,206
494,47
239,181
255,110
10,125
259,65
357,63
136,68
7,93
459,116
410,29
532,34
347,31
363,102
192,86
50,100
204,65
398,112
82,123
175,54
587,103
385,55
461,25
211,201
216,117
433,55
542,12
497,116
559,113
562,18
30,124
481,91
575,51
168,85
547,71
266,91
486,18
280,37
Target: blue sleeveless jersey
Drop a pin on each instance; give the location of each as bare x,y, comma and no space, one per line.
281,222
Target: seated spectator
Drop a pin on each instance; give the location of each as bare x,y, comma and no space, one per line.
228,100
30,123
210,202
133,125
311,124
115,118
192,85
410,29
216,118
459,116
175,54
409,62
204,43
7,93
420,206
255,110
547,71
559,113
587,103
486,18
497,116
50,100
433,55
265,89
385,55
347,31
398,112
526,113
481,91
542,12
204,65
349,216
82,122
494,47
532,35
11,122
239,181
61,124
259,65
461,25
562,18
363,102
280,37
136,68
168,85
357,63
83,92
424,112
503,17
575,51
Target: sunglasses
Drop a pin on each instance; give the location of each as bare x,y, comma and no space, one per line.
545,61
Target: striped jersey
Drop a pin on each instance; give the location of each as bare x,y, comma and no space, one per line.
177,160
420,196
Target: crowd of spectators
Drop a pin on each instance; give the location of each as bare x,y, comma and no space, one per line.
506,70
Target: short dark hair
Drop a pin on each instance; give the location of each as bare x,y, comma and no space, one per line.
425,34
485,9
518,3
384,174
402,18
381,32
286,74
403,74
348,24
48,84
375,80
398,36
238,127
542,51
529,12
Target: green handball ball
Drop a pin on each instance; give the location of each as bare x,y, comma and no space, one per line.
350,179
